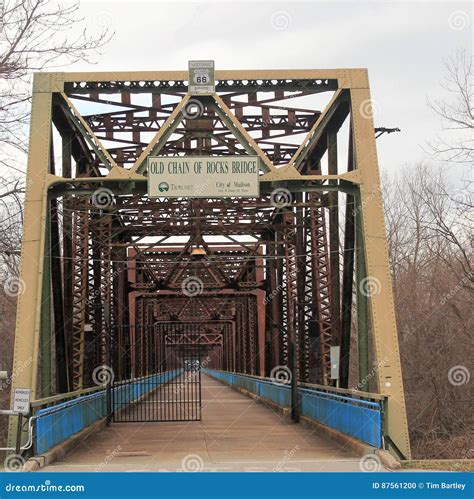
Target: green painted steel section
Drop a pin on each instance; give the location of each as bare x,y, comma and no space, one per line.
46,311
362,301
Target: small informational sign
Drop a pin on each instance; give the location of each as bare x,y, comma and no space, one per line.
21,400
334,353
201,77
203,176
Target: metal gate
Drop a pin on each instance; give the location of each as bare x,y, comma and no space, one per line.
164,363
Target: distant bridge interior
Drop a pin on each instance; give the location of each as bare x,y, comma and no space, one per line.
145,306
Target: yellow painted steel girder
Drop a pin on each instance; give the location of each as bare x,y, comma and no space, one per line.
365,177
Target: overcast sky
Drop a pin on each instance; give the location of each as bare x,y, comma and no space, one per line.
403,44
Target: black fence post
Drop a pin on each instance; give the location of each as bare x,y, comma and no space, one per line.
295,412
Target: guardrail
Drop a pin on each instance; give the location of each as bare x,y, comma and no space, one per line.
354,413
61,416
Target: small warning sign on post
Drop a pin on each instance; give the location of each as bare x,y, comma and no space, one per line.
201,77
21,400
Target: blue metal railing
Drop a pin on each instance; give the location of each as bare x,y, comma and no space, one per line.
57,422
357,416
278,394
361,419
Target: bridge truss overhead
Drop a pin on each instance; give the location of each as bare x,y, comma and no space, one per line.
114,276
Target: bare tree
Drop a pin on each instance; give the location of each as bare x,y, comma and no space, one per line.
35,35
456,110
431,254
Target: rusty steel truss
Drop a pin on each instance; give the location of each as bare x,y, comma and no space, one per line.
112,275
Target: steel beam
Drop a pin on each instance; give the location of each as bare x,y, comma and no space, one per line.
382,311
26,348
226,127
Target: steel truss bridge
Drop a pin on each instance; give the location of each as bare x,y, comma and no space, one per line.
115,278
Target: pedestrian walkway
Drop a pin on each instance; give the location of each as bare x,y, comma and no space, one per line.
236,433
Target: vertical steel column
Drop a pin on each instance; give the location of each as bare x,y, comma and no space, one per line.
309,306
333,197
347,278
67,261
244,327
371,226
282,283
28,314
362,305
62,374
252,334
45,324
303,325
80,255
273,300
94,354
138,329
60,358
289,236
321,285
106,286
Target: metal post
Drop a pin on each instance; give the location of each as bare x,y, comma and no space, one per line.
107,343
18,434
109,401
292,361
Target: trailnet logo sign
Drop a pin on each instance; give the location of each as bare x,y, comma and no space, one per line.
203,176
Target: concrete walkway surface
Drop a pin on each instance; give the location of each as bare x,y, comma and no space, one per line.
236,433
